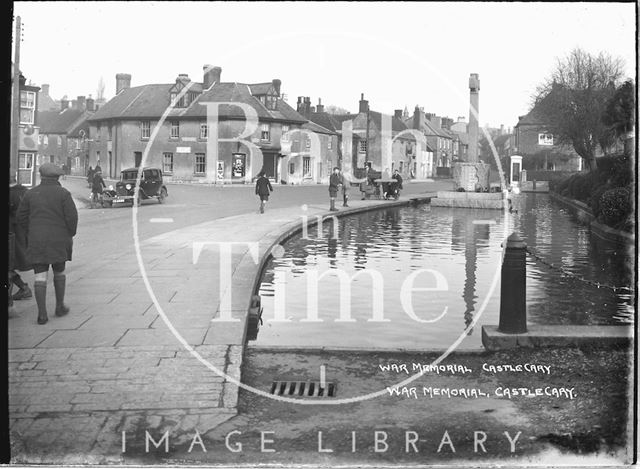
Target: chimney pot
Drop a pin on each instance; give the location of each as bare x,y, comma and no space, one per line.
320,106
363,105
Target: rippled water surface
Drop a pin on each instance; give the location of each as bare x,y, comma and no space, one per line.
425,274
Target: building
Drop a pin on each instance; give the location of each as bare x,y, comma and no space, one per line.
439,141
538,147
379,141
63,135
27,135
46,102
140,123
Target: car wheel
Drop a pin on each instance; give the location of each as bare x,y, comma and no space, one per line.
163,195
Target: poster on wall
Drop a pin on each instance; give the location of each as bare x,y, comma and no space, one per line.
238,165
545,139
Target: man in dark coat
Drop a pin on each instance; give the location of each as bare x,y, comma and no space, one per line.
16,193
335,181
49,218
263,189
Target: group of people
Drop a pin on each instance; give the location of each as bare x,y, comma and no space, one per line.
42,223
337,181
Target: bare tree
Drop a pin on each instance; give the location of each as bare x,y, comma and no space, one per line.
333,109
571,101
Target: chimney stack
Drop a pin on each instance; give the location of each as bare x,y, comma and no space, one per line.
363,105
123,82
397,113
81,103
418,118
74,104
90,104
320,106
276,85
64,103
211,75
44,89
183,77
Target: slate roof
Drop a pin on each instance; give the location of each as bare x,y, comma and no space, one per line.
82,124
318,128
532,118
329,121
58,122
396,124
151,101
46,102
258,89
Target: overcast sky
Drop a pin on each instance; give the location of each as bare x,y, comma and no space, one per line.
397,54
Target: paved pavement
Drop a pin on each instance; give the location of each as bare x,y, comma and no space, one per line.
114,365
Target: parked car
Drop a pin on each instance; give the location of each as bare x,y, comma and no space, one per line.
151,186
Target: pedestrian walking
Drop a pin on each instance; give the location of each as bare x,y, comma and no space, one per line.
263,189
49,219
90,173
335,181
20,263
97,186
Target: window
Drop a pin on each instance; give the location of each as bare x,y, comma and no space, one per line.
401,168
330,144
78,144
98,131
363,146
200,166
167,162
306,166
97,156
110,130
27,107
192,96
271,102
59,140
40,136
285,129
25,160
204,131
265,133
307,142
145,130
46,140
76,163
175,129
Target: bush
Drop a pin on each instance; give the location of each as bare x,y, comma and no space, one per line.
594,200
615,206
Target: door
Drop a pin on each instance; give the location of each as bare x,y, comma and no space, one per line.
269,165
137,156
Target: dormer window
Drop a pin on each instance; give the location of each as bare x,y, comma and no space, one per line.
269,101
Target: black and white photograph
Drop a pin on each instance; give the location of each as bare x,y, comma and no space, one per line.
321,234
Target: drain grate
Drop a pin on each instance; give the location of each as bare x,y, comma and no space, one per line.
303,388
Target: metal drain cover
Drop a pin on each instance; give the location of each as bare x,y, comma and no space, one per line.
303,388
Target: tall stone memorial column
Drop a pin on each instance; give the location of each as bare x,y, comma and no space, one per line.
472,175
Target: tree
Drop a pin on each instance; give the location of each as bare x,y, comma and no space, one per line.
571,101
618,117
333,109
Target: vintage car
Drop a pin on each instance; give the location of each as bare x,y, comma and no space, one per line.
151,186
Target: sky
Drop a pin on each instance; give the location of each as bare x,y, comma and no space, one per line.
399,54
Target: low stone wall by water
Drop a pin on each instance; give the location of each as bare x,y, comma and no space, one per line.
585,216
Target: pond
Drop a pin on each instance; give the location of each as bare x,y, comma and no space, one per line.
418,277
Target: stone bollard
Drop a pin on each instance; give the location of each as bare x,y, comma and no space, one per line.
513,301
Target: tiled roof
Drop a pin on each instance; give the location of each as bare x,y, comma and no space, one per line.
151,101
58,122
82,124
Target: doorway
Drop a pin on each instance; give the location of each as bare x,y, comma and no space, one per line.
269,165
137,157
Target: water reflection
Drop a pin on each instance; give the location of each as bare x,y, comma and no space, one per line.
398,242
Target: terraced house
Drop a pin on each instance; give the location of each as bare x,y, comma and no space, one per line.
176,138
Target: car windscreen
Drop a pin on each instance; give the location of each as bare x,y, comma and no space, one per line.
129,175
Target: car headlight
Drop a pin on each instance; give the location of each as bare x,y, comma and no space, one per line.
128,187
